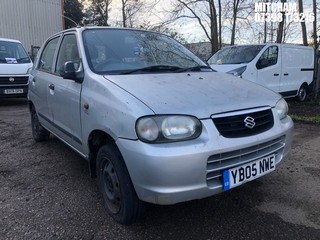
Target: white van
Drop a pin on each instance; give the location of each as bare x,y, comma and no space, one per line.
15,64
284,68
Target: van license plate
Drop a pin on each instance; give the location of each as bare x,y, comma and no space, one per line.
247,172
13,91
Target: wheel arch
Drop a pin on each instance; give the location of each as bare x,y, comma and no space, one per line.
305,86
96,139
30,105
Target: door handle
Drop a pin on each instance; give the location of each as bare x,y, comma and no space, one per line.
51,86
286,74
276,74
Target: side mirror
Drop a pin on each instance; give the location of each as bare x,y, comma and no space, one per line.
262,63
69,72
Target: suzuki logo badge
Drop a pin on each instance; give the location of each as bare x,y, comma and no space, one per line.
11,79
249,122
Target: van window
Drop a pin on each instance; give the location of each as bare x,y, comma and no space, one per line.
13,52
268,58
46,59
236,54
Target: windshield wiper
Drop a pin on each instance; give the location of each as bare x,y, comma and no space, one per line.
155,68
168,68
24,59
195,68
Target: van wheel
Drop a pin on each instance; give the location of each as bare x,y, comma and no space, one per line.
302,93
120,198
39,133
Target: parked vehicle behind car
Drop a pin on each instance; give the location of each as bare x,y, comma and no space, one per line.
14,66
284,68
155,123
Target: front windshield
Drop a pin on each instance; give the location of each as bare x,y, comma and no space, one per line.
120,51
13,52
235,54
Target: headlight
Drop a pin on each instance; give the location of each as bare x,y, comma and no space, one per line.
282,108
147,129
29,70
160,129
238,72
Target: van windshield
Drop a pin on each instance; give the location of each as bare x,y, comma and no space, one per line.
235,54
128,51
13,53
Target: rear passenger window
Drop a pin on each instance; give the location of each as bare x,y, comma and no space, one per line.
268,58
46,59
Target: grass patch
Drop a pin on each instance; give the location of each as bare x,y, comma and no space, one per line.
313,102
309,119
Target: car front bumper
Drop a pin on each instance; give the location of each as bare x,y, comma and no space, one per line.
182,171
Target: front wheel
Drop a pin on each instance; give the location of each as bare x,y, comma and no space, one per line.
120,198
302,93
39,133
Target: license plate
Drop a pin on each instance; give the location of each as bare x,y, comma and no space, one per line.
247,172
13,91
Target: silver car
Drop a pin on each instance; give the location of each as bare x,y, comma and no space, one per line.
155,123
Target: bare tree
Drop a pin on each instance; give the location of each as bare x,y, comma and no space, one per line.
130,9
100,9
235,8
219,24
314,34
213,27
194,9
303,25
281,26
265,28
239,13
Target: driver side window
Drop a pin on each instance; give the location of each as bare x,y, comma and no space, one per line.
268,58
68,52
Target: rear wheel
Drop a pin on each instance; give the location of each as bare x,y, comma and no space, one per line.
39,133
302,93
120,198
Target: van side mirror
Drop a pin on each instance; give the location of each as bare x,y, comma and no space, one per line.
69,72
262,63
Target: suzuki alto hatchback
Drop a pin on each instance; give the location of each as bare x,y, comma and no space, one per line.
155,123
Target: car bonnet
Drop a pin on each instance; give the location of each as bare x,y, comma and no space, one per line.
200,94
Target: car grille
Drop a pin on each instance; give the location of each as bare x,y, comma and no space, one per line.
14,80
234,125
216,164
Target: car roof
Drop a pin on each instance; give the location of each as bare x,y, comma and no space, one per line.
9,40
83,28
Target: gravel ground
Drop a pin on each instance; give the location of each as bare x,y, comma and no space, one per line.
47,193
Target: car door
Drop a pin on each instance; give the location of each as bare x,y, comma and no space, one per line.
64,94
40,79
269,68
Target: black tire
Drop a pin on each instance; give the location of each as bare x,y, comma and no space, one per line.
302,93
120,198
39,133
